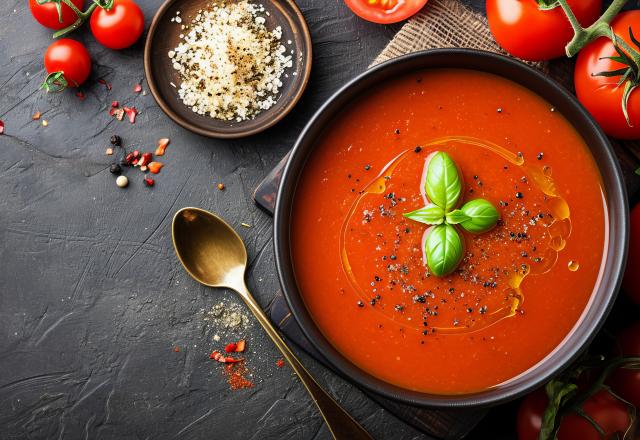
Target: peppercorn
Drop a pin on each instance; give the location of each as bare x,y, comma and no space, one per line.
115,169
116,140
519,195
540,155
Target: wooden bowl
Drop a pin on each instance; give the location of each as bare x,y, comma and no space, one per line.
164,36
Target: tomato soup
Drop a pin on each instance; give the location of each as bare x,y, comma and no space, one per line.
519,289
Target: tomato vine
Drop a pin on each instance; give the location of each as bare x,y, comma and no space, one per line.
81,16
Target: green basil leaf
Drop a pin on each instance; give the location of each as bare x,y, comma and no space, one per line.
443,184
430,215
456,216
443,248
558,392
482,216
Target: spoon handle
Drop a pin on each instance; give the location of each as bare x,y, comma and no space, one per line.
340,423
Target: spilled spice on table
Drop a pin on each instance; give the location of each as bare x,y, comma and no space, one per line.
237,376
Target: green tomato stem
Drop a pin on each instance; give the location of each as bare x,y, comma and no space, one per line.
601,28
82,17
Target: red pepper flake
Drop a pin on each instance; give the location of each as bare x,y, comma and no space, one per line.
215,355
145,159
36,116
236,376
137,88
280,363
231,360
117,112
240,345
129,158
149,181
162,146
176,349
155,167
131,113
81,95
231,347
1,127
115,104
105,83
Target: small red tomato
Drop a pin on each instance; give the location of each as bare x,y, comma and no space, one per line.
611,415
533,34
68,64
118,27
47,13
624,381
631,281
385,11
600,94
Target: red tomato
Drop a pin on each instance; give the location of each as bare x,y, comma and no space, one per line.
118,27
626,382
610,414
599,94
69,57
385,11
631,282
47,14
528,32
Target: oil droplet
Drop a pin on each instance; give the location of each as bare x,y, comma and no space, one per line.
573,265
557,243
546,170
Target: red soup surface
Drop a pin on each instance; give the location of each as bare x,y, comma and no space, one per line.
520,288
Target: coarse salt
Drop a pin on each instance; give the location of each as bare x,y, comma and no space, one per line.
230,64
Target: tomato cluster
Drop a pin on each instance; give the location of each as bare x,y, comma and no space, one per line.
116,24
532,31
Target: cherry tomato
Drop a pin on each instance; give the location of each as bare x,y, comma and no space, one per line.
611,414
626,382
47,14
528,32
385,11
118,27
69,57
631,282
599,94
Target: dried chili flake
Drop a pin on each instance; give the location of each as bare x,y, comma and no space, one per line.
81,96
145,159
231,360
162,146
215,355
240,346
117,112
107,85
236,376
231,347
137,88
149,181
115,104
131,112
155,167
1,127
280,363
36,116
176,349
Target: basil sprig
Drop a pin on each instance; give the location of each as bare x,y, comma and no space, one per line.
443,186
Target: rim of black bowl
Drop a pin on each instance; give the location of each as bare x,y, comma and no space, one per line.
601,300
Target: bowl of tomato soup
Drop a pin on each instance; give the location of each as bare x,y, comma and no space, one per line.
526,296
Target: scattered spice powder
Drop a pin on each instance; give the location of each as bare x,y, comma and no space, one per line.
237,376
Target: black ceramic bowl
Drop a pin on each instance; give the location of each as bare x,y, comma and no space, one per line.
601,301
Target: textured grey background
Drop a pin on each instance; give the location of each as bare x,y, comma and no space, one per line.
92,299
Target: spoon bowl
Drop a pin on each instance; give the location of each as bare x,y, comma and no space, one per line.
213,253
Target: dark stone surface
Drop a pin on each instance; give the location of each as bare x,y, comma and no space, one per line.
92,299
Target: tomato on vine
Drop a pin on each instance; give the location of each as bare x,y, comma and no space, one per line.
119,26
606,77
68,64
55,14
536,30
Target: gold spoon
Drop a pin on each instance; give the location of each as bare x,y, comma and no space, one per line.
214,255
